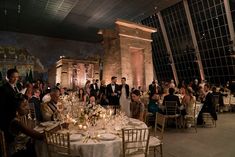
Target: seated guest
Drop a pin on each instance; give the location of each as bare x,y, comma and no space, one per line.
153,107
104,101
189,101
81,95
92,100
200,94
36,103
22,146
136,106
153,104
220,97
49,109
171,97
208,105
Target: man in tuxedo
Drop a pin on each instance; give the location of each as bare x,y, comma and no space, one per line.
208,105
94,89
171,97
113,92
154,88
8,102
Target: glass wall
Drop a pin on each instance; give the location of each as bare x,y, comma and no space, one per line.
180,39
232,6
160,57
212,34
210,24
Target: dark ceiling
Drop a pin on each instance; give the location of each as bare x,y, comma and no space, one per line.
73,19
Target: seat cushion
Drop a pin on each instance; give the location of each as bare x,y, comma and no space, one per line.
154,141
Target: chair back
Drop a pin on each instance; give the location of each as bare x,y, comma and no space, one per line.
32,112
197,109
57,143
232,100
171,107
3,144
215,100
135,141
159,125
226,99
28,122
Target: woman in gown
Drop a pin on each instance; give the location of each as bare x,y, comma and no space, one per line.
124,101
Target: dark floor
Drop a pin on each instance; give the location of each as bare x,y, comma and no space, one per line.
207,142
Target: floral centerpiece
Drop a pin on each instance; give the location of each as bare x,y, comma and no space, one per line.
91,113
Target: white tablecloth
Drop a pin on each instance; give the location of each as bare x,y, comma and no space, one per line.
199,106
101,148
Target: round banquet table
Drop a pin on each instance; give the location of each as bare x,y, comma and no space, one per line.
93,147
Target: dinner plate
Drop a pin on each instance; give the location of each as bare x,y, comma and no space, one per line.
128,127
135,122
47,124
107,137
75,137
39,129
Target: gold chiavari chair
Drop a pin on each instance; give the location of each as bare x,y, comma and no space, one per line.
155,141
192,119
135,142
3,144
57,143
215,101
32,112
208,119
171,111
232,102
28,122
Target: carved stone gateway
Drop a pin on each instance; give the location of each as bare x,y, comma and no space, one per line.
128,53
73,73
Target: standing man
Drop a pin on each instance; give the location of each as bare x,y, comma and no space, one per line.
94,89
153,88
113,93
8,100
124,102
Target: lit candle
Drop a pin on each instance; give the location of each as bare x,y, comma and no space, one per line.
80,126
110,112
84,127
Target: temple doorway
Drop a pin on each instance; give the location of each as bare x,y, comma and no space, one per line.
137,66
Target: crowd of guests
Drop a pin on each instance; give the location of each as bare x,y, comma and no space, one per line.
186,96
13,106
17,99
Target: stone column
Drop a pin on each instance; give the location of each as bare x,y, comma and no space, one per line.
111,59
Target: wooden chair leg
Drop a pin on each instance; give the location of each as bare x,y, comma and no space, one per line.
195,125
154,151
161,150
176,123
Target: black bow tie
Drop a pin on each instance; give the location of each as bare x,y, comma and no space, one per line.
15,89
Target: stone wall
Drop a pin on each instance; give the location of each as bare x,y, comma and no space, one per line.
117,46
111,59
